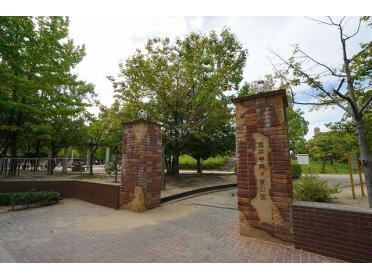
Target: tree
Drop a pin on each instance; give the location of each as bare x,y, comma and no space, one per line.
297,129
36,82
344,86
331,146
182,84
98,132
220,141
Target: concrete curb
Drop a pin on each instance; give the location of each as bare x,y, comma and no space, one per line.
197,191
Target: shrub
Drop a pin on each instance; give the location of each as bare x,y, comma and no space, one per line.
215,163
4,198
110,168
312,188
296,170
189,163
29,198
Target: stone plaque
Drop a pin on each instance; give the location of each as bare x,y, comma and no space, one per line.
266,209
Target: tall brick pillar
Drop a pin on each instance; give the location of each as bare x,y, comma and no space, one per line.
142,166
263,168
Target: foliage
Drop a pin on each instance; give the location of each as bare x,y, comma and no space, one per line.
41,99
4,198
312,188
346,86
110,168
182,84
103,131
220,141
246,90
296,170
212,163
297,129
334,144
187,162
29,198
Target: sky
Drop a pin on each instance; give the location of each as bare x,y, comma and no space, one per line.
109,40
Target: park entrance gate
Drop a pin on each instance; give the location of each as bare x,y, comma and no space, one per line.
263,166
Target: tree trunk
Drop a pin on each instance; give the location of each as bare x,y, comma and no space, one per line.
199,165
50,165
13,154
65,160
366,158
169,164
37,153
163,166
176,162
91,161
334,165
323,166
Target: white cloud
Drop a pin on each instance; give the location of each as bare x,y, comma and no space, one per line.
111,39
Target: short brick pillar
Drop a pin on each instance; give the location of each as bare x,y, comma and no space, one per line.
263,166
141,166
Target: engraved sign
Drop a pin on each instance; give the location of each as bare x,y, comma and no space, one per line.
266,209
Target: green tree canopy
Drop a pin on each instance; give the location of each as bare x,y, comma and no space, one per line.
182,84
37,86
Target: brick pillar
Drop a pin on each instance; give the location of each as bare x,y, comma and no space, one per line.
141,174
263,166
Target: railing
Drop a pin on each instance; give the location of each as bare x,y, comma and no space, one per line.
46,168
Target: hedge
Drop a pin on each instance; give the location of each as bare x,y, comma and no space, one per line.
296,170
189,163
28,198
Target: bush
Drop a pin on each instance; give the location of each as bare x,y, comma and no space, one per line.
215,163
312,188
296,170
189,163
110,168
29,198
4,198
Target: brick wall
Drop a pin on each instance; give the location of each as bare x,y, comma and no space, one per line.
96,193
342,232
142,166
263,164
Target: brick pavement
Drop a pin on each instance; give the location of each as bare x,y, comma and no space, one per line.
186,231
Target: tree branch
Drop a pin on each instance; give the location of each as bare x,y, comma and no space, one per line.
320,21
356,32
317,62
346,98
292,93
361,52
365,105
316,84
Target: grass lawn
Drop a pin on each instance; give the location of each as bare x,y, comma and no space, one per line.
316,166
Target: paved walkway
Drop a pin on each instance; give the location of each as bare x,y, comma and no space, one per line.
188,182
200,229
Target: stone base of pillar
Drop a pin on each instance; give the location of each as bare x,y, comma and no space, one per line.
138,202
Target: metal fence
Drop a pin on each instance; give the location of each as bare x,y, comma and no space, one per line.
51,168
